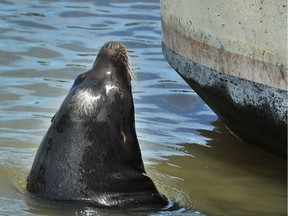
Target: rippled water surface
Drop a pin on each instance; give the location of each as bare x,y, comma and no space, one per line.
187,151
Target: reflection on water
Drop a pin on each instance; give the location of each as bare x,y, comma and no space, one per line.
188,152
229,178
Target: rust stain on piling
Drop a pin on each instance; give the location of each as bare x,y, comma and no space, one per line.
224,61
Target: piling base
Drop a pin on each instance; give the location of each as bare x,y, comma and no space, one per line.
254,112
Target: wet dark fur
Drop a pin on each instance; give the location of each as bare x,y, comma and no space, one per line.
90,154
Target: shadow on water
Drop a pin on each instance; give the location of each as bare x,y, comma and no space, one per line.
227,177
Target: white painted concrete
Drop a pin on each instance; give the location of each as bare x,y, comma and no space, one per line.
249,37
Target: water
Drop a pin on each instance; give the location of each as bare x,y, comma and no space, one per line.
187,151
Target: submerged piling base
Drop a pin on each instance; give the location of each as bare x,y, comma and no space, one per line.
254,112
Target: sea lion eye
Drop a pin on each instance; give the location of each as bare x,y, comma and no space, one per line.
79,79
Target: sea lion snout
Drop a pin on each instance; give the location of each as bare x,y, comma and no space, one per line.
111,45
113,50
114,54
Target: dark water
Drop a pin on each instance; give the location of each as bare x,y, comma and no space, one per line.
187,151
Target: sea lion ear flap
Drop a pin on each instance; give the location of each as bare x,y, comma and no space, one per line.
52,118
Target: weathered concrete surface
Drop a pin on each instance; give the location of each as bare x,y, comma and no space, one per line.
255,112
247,39
234,55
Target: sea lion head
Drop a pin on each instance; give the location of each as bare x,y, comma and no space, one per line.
108,80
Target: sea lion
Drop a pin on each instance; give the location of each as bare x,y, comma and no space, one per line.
90,154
